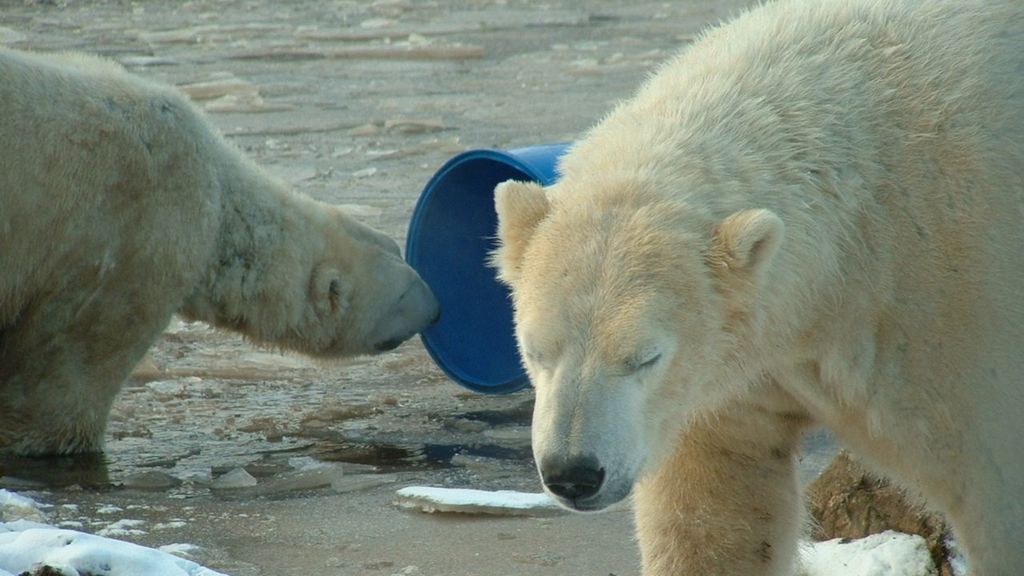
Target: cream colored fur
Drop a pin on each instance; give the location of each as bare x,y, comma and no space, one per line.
119,206
814,215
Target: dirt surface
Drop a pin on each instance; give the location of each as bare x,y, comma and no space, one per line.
355,103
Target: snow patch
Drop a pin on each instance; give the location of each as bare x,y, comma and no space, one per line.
24,545
123,527
181,549
14,506
886,554
170,524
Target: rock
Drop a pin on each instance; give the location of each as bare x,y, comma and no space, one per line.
237,478
151,480
845,501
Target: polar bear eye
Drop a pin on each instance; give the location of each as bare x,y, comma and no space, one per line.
534,357
644,363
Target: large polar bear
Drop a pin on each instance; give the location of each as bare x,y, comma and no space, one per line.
814,215
119,206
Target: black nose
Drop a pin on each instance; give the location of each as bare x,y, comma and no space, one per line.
389,344
573,479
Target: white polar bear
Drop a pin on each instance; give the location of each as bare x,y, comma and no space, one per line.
119,206
811,216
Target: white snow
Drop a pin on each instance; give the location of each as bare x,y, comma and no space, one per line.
170,524
15,500
14,506
180,549
123,527
25,544
886,554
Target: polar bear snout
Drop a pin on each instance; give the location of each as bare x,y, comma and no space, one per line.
575,479
415,310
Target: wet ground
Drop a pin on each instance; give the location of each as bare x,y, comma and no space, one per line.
273,464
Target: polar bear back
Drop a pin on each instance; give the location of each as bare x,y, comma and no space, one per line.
93,139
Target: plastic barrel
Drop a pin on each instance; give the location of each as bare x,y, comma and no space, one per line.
452,232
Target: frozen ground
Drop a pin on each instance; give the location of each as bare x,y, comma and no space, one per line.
25,545
274,465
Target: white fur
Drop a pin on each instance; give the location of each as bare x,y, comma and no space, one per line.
119,206
813,215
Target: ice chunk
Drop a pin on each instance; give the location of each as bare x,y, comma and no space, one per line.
467,501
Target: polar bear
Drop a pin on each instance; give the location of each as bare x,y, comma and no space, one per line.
813,215
119,206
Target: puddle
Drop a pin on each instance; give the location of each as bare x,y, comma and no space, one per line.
404,458
93,472
521,414
443,453
87,471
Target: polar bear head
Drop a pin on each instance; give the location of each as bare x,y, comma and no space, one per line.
313,279
629,310
362,298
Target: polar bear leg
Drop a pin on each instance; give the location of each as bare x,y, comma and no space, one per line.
62,364
728,500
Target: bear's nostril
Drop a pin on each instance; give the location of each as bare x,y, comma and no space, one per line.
575,479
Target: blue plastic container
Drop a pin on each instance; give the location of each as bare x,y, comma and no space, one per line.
452,232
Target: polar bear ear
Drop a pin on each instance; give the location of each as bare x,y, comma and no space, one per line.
521,206
746,240
329,292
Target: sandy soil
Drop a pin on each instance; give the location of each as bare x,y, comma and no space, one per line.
355,103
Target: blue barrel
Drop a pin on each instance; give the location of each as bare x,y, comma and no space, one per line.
452,232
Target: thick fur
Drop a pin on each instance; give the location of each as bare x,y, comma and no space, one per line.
119,206
811,216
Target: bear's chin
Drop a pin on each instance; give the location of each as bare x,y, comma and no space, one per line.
603,500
